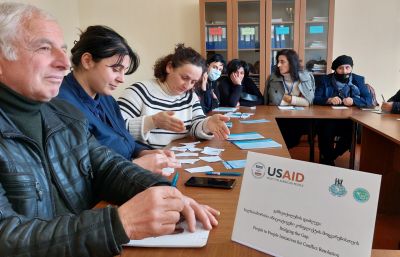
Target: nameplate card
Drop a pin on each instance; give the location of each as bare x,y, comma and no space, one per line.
293,208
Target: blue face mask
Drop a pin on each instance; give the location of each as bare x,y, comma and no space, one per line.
214,74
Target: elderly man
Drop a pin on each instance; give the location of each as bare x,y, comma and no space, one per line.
342,87
53,171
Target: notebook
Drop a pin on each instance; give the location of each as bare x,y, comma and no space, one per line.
185,239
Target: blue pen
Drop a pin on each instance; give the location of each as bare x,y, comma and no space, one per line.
215,173
175,179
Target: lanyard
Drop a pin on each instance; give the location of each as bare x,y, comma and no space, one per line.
287,88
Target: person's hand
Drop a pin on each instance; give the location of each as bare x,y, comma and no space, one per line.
166,120
156,162
168,153
236,80
348,101
204,213
216,125
204,81
334,100
387,106
287,98
153,212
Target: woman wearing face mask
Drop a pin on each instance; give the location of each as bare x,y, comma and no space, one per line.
165,108
100,60
290,85
342,87
206,90
237,89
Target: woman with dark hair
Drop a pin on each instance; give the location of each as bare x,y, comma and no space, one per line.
166,108
100,60
290,85
206,90
237,88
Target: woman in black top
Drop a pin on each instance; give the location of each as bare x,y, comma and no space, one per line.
237,88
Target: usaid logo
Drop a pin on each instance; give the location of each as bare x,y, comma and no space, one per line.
258,170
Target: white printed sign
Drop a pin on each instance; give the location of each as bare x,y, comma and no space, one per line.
293,208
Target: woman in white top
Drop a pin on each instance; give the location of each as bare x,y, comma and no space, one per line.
290,85
166,108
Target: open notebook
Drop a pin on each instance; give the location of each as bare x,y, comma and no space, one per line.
184,239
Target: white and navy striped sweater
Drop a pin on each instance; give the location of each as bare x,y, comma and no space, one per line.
148,98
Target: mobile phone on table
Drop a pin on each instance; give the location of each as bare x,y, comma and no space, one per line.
226,183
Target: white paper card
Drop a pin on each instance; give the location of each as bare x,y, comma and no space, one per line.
200,169
188,161
294,208
185,239
186,154
336,107
211,158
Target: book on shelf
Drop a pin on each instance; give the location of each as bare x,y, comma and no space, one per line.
277,20
321,19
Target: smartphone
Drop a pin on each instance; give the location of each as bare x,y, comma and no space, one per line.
226,183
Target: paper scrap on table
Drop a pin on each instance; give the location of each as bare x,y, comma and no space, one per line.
229,124
238,115
245,136
258,143
212,151
253,121
378,112
234,164
211,158
168,170
290,107
199,169
179,148
224,109
190,143
194,149
339,107
186,154
188,161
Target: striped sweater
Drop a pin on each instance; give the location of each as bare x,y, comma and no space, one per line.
147,98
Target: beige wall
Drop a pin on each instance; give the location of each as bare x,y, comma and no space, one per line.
66,12
152,27
368,30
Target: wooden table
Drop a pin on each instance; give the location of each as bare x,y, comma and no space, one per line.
380,153
219,242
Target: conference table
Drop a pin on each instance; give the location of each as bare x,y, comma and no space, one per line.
225,200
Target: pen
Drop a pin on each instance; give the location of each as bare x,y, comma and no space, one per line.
383,98
215,173
175,179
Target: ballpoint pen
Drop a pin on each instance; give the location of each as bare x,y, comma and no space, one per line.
383,98
175,179
216,173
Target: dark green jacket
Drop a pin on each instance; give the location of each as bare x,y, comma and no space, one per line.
82,170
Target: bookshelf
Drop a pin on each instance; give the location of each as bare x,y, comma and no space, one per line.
255,30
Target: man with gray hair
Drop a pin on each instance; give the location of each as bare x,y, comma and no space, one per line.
53,171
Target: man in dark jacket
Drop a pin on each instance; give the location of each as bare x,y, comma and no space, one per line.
342,87
53,171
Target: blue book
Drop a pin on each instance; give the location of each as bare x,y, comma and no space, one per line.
245,136
259,143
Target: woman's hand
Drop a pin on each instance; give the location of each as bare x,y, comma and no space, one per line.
156,160
216,125
236,79
204,82
166,120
